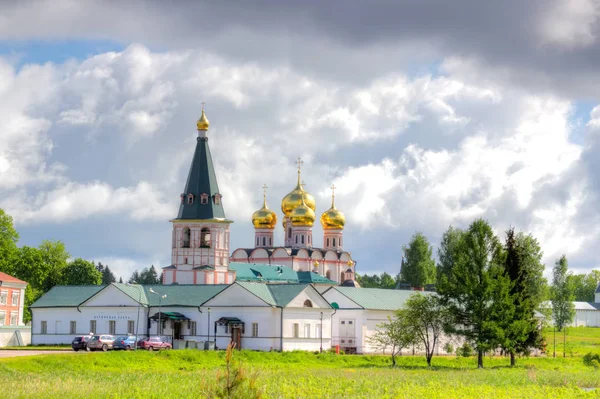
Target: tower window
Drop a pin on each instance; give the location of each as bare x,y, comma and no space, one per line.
271,241
302,240
290,233
186,238
204,199
334,242
264,241
257,241
185,261
328,242
205,238
296,239
217,199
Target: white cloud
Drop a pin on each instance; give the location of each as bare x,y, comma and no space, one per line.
570,23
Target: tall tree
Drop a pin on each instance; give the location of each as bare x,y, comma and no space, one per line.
448,251
524,268
426,318
120,280
584,285
563,308
472,284
419,267
8,243
81,272
54,261
135,278
107,276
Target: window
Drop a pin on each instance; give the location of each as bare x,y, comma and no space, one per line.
328,242
221,278
307,331
296,330
2,318
264,241
217,199
334,242
309,239
3,297
257,241
185,261
319,330
186,238
290,232
296,239
44,327
308,304
205,238
204,199
14,318
93,326
302,240
15,298
190,199
255,329
112,327
73,327
192,328
130,327
271,241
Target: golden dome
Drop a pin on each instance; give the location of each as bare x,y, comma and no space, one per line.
264,218
303,215
333,219
295,197
203,122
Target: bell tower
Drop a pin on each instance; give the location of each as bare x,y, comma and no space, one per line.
200,238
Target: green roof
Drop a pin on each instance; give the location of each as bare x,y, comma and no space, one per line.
316,278
183,295
260,272
378,298
202,179
66,296
275,294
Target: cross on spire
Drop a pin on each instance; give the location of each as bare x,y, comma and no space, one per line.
264,187
332,194
299,163
203,105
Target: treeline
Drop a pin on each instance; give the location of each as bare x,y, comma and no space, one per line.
50,264
490,293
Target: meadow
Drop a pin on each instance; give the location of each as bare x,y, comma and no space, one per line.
190,373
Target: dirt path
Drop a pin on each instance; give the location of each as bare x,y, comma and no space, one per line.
15,353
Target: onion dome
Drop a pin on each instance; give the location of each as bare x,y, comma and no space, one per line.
264,218
295,197
203,122
333,218
303,215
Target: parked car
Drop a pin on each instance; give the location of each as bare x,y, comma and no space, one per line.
104,342
126,343
80,342
154,343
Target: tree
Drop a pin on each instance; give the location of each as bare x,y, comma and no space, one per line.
376,281
584,285
54,261
419,267
426,318
8,243
563,309
394,335
81,272
472,284
135,278
120,280
107,276
523,266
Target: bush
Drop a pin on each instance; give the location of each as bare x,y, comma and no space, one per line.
465,350
449,348
592,359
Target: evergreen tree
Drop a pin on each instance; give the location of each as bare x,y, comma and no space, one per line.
153,276
524,268
135,278
107,276
472,285
418,268
120,280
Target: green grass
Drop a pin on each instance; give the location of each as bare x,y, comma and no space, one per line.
190,373
580,340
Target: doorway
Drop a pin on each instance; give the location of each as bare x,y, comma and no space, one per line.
177,330
236,337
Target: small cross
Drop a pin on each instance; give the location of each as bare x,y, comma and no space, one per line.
203,105
299,163
332,190
264,187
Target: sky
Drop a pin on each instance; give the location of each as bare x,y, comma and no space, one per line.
424,114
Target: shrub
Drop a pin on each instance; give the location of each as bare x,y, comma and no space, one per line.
592,359
465,350
234,381
449,348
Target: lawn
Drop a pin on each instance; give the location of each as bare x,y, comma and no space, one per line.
190,373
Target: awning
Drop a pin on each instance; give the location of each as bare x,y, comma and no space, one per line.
169,316
227,321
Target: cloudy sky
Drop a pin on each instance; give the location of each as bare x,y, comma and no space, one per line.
424,114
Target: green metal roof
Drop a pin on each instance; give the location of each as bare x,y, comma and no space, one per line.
315,278
285,293
260,272
261,290
182,295
202,179
66,296
378,298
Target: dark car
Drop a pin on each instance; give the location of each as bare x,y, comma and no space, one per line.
153,343
80,342
126,343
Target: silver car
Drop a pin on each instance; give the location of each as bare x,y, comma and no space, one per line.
104,342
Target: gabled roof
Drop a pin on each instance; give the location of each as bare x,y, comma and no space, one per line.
67,296
10,279
377,298
279,295
202,179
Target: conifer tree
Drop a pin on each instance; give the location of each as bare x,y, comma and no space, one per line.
418,268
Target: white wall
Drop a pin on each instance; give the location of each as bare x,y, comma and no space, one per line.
9,338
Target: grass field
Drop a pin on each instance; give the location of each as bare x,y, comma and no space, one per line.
179,374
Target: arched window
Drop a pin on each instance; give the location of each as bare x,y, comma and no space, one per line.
327,241
296,239
328,274
271,241
302,239
217,199
334,242
290,233
204,199
264,241
205,238
186,238
190,199
257,241
308,304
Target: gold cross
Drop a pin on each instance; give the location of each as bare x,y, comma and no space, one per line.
332,190
299,163
264,187
203,105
